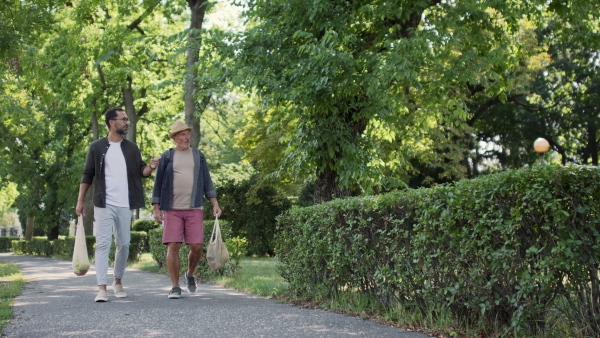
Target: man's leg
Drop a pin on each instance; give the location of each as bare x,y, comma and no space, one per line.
172,237
122,232
173,264
194,237
194,257
105,219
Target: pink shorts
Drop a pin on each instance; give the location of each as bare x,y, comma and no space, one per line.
179,224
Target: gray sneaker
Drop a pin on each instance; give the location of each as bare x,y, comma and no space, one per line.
175,293
191,283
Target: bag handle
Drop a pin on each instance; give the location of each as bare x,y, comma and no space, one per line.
216,231
79,225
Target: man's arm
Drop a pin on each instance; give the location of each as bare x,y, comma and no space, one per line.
80,208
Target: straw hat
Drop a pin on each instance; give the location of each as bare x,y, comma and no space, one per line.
178,126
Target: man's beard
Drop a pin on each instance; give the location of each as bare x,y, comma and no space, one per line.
121,131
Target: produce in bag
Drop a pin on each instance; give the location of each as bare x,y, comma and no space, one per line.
81,262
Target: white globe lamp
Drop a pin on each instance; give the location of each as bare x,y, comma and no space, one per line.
541,145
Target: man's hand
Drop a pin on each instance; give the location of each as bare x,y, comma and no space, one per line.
216,209
80,208
158,215
154,162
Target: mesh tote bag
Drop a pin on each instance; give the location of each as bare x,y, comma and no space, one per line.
216,252
81,262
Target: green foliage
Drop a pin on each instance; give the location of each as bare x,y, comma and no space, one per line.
307,195
144,225
40,246
257,276
6,243
12,284
251,211
496,250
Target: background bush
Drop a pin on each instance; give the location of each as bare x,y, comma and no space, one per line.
6,243
251,213
144,225
501,249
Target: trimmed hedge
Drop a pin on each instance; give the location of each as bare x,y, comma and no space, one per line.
6,243
63,247
502,248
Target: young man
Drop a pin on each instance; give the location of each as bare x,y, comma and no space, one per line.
182,180
117,166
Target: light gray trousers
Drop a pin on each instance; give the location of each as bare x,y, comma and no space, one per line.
108,220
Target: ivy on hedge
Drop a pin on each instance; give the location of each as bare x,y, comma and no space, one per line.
501,248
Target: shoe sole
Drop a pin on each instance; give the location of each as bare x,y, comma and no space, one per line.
120,296
101,300
174,296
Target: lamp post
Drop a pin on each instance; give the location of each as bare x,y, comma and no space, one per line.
541,146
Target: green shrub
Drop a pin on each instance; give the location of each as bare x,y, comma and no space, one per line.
40,246
499,249
252,212
144,225
19,246
6,243
58,247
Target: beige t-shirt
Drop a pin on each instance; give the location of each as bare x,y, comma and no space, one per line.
183,179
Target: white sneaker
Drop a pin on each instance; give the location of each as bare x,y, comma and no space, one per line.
119,291
101,297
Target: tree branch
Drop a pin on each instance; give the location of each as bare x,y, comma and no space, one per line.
135,24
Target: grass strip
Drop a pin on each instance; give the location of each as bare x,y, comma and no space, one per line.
11,283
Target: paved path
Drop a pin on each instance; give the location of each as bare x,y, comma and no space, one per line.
57,303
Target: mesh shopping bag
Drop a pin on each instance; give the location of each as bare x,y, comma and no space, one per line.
81,262
216,252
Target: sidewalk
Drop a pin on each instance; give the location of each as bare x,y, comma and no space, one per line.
58,303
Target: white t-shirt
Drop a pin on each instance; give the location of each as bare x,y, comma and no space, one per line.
115,174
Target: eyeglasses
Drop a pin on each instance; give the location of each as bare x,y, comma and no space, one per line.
124,119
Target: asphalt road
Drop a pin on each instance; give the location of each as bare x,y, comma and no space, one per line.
56,303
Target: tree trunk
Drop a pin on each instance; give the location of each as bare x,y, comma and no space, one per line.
53,233
29,229
130,109
88,217
192,110
327,188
